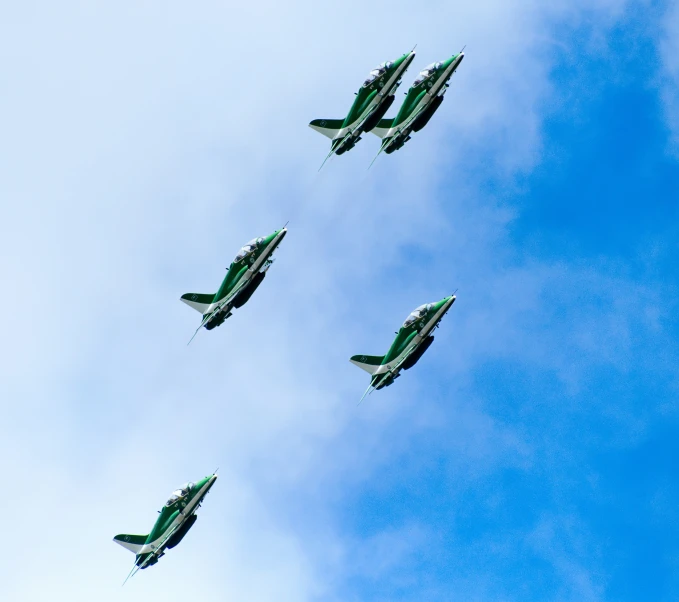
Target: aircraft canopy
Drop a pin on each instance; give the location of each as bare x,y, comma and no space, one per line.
248,248
416,314
178,494
376,72
426,72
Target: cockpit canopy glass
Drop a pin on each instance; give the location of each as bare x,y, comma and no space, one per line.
416,314
180,493
428,71
377,72
248,248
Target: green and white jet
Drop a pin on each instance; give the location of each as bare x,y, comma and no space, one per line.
243,276
372,102
422,100
176,518
411,341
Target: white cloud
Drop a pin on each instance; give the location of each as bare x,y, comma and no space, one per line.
143,143
570,552
669,51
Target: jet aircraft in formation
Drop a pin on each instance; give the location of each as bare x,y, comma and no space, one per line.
243,276
372,102
422,100
376,96
176,518
248,270
412,340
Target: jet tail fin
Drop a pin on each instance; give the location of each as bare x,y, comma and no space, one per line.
382,127
198,301
369,363
133,543
327,127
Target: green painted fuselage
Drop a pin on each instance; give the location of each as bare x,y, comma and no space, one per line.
412,340
175,519
243,276
372,101
422,100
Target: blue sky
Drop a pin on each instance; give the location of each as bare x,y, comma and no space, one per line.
531,455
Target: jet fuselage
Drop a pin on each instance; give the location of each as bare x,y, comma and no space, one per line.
422,99
408,339
371,104
372,101
172,517
176,517
243,276
411,342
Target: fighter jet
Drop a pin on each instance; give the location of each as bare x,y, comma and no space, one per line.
411,341
243,276
372,102
422,100
176,518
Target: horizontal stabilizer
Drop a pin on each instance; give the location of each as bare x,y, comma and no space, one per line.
197,301
327,127
383,127
369,363
134,543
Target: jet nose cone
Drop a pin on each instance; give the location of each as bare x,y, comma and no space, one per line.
405,60
447,302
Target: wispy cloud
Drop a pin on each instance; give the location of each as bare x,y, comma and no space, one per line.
669,50
143,144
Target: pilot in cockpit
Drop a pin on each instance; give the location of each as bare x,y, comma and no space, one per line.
180,493
428,71
416,314
377,72
248,249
